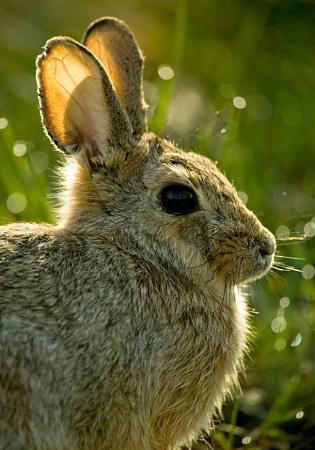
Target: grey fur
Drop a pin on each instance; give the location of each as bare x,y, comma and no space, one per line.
121,327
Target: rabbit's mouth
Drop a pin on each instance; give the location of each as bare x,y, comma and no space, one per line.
258,258
266,251
245,258
265,261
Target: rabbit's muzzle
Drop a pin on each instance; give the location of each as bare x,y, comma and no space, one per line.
267,248
245,254
257,256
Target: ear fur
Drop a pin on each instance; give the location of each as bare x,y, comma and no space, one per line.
79,107
113,43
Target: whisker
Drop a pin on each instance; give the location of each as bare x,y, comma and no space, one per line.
289,257
284,267
273,275
280,264
280,269
273,278
294,241
198,265
225,297
291,239
209,280
298,216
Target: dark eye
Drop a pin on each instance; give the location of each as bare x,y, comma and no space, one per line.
178,199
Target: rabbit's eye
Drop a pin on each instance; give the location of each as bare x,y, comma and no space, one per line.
178,199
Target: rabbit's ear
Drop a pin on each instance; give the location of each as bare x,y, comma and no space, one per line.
79,107
112,42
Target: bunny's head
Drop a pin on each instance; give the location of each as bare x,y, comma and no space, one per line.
174,208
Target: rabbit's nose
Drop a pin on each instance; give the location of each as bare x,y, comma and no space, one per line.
267,247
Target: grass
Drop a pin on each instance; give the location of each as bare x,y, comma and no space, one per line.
258,51
22,178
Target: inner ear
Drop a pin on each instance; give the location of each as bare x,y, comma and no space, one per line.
79,107
112,42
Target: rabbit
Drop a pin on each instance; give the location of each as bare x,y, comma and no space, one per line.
123,326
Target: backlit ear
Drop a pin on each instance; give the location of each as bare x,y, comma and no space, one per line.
112,42
79,107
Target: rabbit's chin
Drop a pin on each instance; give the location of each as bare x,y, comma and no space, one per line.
258,269
266,261
245,271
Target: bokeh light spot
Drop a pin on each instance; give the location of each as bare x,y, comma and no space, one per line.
254,396
280,344
282,232
40,161
308,271
3,123
276,66
20,148
278,324
304,204
259,107
239,102
165,72
243,196
284,302
309,229
16,203
227,91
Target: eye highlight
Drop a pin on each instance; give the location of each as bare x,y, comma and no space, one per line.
179,199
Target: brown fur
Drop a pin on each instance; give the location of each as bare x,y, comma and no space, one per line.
121,327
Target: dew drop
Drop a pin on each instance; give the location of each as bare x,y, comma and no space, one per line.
297,341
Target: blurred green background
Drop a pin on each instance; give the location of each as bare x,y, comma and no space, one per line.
234,80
